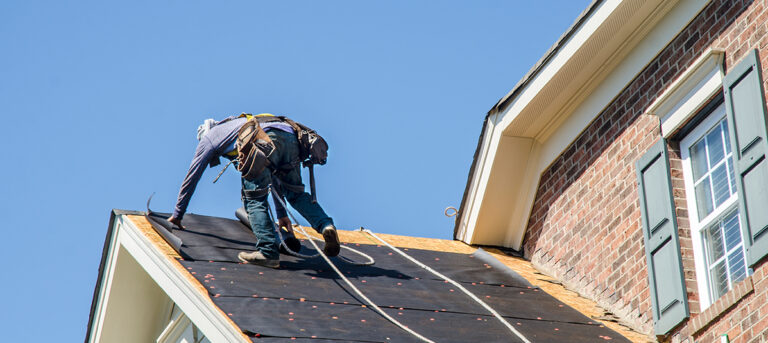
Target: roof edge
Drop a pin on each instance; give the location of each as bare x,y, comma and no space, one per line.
548,55
501,105
472,168
100,278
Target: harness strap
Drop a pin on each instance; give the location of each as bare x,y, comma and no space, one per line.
255,193
292,188
261,118
287,167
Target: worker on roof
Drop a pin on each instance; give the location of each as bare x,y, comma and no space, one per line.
217,139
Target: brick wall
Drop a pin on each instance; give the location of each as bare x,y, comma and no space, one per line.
585,226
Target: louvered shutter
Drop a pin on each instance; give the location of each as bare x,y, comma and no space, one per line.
745,107
662,248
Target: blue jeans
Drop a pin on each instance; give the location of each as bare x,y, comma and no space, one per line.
254,195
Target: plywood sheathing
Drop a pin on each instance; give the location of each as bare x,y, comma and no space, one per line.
172,256
360,237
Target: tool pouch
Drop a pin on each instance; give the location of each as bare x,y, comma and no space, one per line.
318,148
312,146
253,149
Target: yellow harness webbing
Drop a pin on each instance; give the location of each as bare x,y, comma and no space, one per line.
248,116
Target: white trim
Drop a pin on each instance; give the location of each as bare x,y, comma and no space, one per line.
586,109
699,255
549,112
106,285
174,329
527,196
195,305
187,297
478,181
559,61
685,96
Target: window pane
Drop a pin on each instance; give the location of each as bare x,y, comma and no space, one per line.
736,265
713,238
704,198
715,146
719,280
699,159
732,230
720,185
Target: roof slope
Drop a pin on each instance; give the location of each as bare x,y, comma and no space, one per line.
305,300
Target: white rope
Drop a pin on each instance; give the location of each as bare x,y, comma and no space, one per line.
370,261
349,283
459,286
373,305
367,301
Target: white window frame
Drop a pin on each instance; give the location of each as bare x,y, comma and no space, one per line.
180,329
698,226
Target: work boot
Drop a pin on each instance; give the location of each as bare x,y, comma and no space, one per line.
257,258
331,238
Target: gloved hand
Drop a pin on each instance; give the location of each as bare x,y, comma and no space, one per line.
175,221
285,223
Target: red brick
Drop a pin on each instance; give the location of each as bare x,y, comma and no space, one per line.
591,191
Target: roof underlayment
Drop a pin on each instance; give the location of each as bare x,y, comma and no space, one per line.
305,300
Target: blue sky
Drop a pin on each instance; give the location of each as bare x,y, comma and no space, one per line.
100,102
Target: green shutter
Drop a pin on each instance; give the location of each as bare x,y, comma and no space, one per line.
745,107
662,248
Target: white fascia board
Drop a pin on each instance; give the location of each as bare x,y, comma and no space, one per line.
548,147
495,127
652,44
195,305
106,286
498,122
479,180
553,66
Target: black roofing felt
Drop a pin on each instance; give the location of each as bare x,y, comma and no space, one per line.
306,300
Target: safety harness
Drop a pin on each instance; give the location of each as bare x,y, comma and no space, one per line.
253,148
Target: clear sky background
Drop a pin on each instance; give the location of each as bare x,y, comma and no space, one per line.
100,101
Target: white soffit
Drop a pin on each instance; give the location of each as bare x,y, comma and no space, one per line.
683,98
195,305
582,111
590,54
600,58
